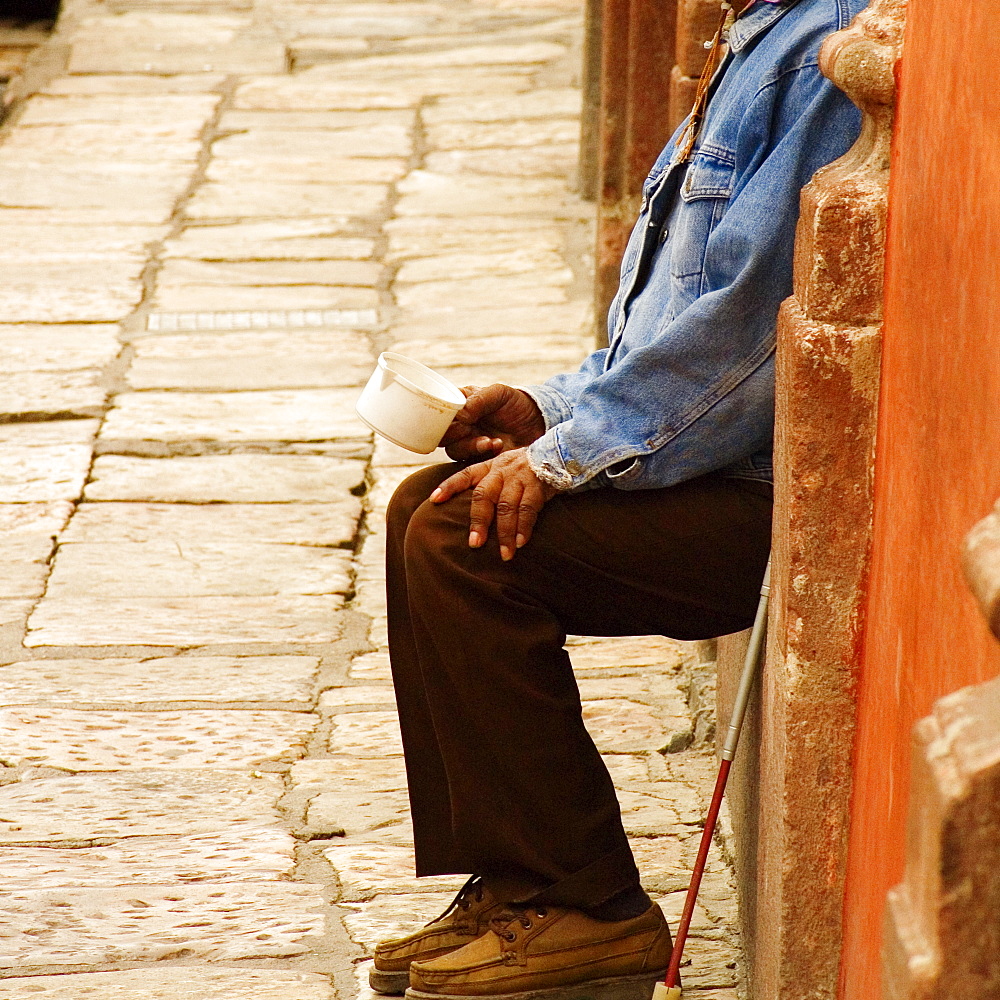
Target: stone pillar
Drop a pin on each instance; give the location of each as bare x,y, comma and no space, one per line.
697,22
941,935
791,818
637,51
587,177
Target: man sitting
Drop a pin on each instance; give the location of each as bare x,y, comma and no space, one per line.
630,497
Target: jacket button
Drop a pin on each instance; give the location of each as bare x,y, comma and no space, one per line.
573,468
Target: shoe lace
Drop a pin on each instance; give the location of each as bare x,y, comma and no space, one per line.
512,916
471,891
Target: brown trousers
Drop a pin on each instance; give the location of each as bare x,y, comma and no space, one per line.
504,780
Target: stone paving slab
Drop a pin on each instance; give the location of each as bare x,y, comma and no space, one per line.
35,348
135,803
72,927
378,774
539,103
47,242
356,696
170,982
424,193
95,299
503,135
401,88
371,667
241,478
227,856
24,577
571,317
381,816
125,192
290,239
497,349
626,652
280,415
545,261
215,298
117,109
246,372
183,621
14,612
160,681
42,472
481,293
366,734
376,139
553,160
25,394
131,85
327,121
620,726
306,170
456,57
366,870
116,55
370,22
185,568
95,142
32,520
111,741
428,235
390,915
250,273
321,524
260,200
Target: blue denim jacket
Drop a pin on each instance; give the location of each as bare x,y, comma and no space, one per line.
687,384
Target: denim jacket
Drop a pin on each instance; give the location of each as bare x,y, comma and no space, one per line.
687,384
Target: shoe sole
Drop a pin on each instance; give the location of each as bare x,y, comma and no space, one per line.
614,988
389,983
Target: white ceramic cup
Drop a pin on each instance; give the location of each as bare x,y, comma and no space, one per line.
408,403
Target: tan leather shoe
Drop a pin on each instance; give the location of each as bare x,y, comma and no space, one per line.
552,953
467,917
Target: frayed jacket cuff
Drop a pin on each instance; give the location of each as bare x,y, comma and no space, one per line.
547,463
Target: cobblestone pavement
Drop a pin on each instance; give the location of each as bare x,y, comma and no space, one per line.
213,214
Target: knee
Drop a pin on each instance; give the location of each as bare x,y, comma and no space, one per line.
409,495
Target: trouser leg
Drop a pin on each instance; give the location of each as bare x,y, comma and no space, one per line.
504,779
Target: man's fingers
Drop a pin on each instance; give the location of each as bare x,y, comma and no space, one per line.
484,501
535,496
508,505
473,447
482,402
461,481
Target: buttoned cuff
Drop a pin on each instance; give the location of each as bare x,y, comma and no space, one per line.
555,407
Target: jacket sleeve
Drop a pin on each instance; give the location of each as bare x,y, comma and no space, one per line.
660,414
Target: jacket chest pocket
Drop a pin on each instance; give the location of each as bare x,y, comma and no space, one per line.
705,194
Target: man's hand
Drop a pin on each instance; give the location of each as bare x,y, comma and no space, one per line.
505,489
493,420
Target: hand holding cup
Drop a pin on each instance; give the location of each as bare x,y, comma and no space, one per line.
494,419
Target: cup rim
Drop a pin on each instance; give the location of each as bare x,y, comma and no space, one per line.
388,356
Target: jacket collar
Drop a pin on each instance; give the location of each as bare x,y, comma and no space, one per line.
756,19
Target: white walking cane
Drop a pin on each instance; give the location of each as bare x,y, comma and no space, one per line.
671,989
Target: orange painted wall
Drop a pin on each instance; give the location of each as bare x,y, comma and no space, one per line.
938,452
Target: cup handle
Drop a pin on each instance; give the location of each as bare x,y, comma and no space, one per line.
386,379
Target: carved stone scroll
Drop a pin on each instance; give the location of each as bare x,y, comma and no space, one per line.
942,934
828,360
981,562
